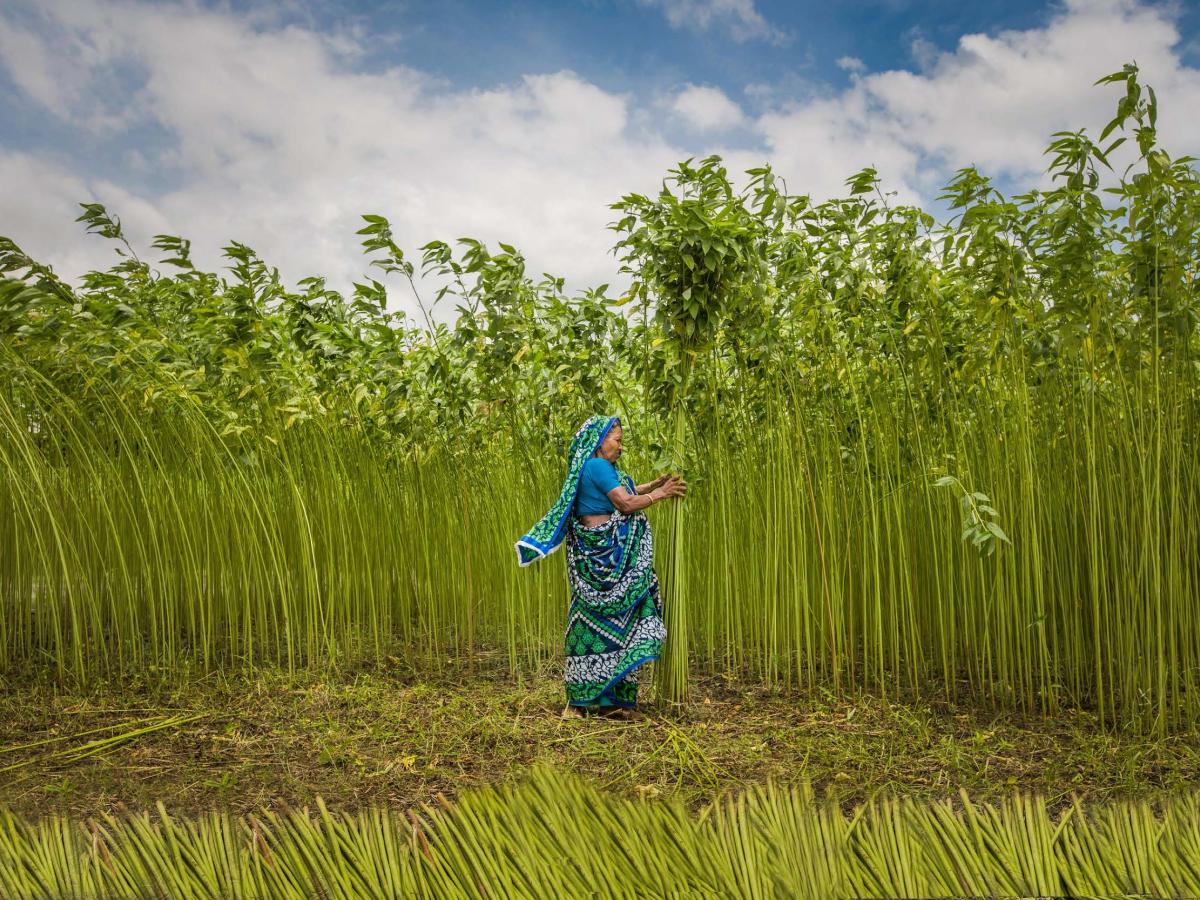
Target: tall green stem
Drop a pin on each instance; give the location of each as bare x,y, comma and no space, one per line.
673,665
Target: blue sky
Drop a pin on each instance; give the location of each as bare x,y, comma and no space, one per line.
277,124
627,45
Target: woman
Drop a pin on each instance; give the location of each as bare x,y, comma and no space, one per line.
614,624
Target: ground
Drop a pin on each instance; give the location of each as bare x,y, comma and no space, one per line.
397,735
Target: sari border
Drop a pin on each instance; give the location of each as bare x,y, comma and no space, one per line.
539,552
614,680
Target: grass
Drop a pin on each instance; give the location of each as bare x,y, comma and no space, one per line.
396,736
558,835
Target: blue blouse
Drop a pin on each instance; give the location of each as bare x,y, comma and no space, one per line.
598,477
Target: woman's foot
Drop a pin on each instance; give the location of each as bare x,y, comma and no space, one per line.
570,711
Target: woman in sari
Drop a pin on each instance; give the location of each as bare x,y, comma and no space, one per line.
614,624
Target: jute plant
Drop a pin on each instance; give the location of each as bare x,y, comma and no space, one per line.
555,834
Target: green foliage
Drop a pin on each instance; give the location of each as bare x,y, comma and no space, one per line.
694,253
978,516
811,366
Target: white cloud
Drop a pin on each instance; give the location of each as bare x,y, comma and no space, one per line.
706,108
40,203
279,147
28,64
741,17
993,101
923,51
274,138
851,64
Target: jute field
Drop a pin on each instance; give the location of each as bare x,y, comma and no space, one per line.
931,597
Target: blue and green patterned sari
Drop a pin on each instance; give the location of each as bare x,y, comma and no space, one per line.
614,622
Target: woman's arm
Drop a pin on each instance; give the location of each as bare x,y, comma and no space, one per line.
626,502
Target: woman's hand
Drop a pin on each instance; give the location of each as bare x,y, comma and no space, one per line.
653,485
672,486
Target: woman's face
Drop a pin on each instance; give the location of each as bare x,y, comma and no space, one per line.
610,447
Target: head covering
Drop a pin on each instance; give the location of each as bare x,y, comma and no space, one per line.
546,536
